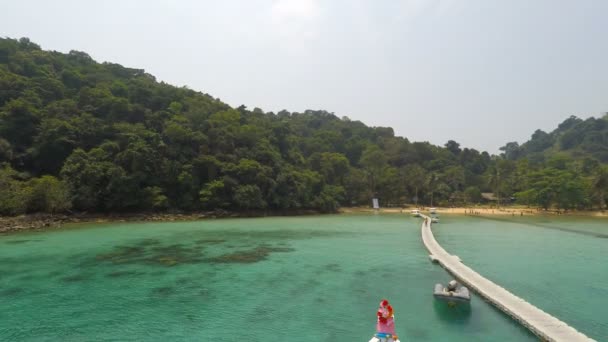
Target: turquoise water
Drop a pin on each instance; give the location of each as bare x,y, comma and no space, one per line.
268,279
557,264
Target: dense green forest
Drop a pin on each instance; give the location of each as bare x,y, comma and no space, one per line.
98,137
573,138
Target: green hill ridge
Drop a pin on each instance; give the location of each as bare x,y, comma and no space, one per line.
100,137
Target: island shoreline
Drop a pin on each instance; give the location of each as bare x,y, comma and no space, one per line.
38,222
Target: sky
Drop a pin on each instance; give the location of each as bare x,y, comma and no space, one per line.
480,72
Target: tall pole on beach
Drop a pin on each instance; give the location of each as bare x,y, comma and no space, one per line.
498,186
431,183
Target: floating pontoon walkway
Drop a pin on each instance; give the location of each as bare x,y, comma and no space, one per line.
543,325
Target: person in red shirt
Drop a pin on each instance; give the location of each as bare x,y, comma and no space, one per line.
386,319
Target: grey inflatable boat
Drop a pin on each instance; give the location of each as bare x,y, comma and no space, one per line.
453,293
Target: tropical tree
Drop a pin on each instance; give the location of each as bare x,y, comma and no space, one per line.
249,197
48,194
599,184
472,194
373,162
415,178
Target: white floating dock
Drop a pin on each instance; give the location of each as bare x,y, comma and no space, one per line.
542,324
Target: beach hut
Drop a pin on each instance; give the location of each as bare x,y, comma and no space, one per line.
488,197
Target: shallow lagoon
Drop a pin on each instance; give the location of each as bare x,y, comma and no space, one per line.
557,264
267,279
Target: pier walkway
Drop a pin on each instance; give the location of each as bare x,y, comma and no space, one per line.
543,325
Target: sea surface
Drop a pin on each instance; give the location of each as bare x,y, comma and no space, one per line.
316,278
558,264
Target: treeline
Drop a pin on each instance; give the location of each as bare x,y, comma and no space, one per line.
87,136
564,168
560,182
575,138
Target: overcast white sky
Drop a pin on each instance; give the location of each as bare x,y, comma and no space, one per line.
481,72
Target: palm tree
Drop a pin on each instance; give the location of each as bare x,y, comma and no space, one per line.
432,178
414,175
600,185
494,182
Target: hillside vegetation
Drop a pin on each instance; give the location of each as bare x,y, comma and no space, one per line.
80,135
575,138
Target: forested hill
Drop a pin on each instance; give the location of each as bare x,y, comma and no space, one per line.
87,136
575,138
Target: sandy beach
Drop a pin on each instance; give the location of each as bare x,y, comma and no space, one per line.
484,211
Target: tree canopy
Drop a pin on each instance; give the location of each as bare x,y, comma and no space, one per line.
92,136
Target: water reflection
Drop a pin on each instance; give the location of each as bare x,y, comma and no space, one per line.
461,313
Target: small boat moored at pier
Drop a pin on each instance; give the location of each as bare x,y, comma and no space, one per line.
415,212
453,293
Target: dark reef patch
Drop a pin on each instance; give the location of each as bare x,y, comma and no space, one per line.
123,255
261,314
54,274
152,252
209,241
28,276
149,252
76,278
360,273
332,268
9,261
11,291
203,293
157,273
175,254
18,242
184,281
262,235
361,291
148,242
120,274
249,256
305,287
164,291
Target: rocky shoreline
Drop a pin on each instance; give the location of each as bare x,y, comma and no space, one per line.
48,221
